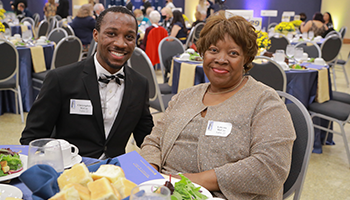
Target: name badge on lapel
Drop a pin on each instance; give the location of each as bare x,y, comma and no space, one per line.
80,107
221,129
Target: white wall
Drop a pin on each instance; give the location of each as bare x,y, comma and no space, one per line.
339,10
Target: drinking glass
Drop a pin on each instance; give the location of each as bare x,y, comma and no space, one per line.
27,36
150,192
279,55
311,35
298,54
305,36
290,50
46,151
7,33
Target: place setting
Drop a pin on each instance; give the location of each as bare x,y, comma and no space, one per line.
190,55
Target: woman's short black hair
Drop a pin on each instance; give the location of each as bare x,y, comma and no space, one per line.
319,17
115,9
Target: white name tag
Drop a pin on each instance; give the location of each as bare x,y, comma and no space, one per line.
221,129
80,107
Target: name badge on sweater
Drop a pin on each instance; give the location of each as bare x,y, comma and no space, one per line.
80,107
221,129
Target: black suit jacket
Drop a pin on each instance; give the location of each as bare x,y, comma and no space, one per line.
129,6
146,5
79,81
63,8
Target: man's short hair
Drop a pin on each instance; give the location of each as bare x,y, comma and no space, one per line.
115,9
98,6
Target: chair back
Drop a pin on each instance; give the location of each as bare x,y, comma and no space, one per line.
269,72
57,34
36,18
194,34
67,51
330,48
43,28
272,25
52,23
334,32
302,146
9,61
140,62
342,31
68,29
8,31
30,20
153,39
167,49
58,18
311,48
278,41
92,48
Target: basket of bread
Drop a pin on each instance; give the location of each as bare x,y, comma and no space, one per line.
108,182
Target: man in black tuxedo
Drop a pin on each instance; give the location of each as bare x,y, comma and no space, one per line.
146,4
85,108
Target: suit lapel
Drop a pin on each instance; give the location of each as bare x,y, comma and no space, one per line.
125,101
91,86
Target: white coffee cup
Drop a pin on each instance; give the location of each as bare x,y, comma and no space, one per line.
305,56
41,41
185,56
67,153
43,37
319,61
17,36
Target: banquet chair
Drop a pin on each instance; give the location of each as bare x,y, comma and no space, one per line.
9,72
58,18
67,51
194,35
68,29
334,32
91,50
330,49
269,72
43,28
167,49
333,111
272,25
278,41
153,39
302,146
52,23
30,20
342,31
140,62
57,34
36,18
311,48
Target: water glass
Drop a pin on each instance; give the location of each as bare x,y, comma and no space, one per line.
290,50
311,35
305,36
279,55
298,54
150,192
46,151
27,36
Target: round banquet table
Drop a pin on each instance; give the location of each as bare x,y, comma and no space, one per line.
7,98
16,29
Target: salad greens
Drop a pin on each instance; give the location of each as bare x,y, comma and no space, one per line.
10,162
185,190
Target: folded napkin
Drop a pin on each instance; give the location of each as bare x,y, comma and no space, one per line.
170,81
38,58
24,28
45,177
322,93
187,75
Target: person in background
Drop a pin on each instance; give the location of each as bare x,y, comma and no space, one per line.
178,29
140,18
14,5
146,4
210,9
63,8
148,11
83,24
167,16
98,8
199,19
303,17
154,17
202,8
50,9
234,135
129,5
327,17
316,25
169,4
23,11
96,114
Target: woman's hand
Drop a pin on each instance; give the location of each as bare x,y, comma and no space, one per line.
206,179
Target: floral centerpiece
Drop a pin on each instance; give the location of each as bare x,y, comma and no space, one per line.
2,28
285,27
297,23
2,13
263,41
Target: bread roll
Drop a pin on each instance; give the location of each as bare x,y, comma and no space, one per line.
84,192
124,186
111,172
69,193
79,173
102,189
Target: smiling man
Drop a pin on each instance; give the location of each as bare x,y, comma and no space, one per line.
96,104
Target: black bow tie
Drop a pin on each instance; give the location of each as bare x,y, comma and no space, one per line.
107,78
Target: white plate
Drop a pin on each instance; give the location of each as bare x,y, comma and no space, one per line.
188,60
75,160
9,191
173,181
24,159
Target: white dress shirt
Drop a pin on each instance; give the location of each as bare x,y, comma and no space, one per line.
111,95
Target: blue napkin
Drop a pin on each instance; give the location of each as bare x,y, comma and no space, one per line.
42,179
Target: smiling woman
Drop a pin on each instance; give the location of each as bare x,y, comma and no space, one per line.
233,135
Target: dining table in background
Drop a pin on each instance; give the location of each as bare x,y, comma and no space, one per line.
25,67
18,29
